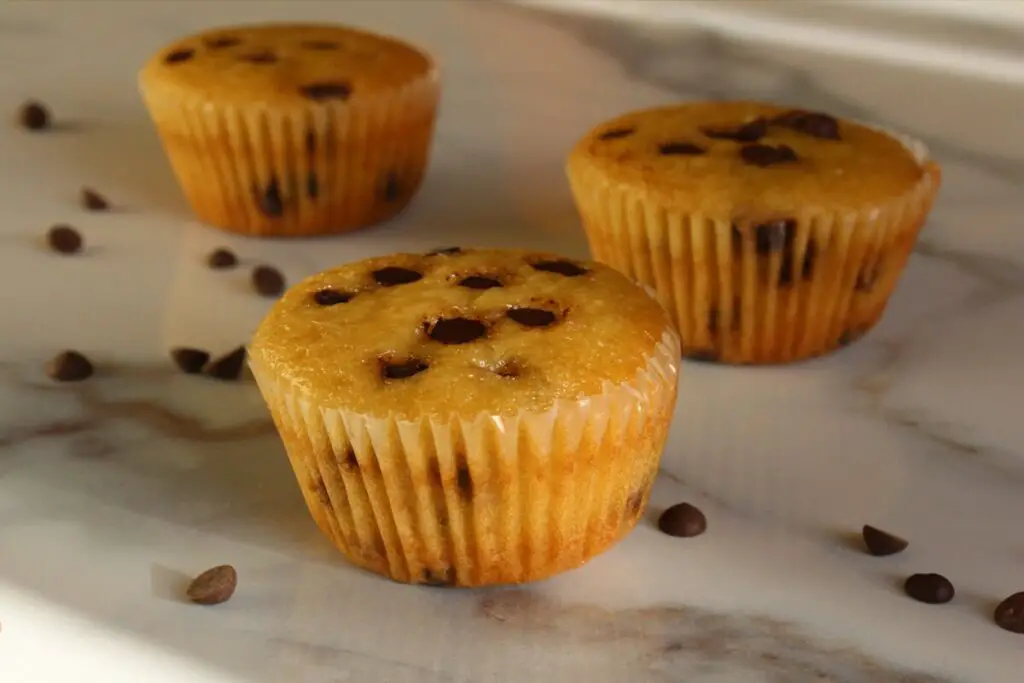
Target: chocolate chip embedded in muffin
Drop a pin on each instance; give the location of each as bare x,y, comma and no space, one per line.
479,282
456,330
773,236
391,369
679,149
531,317
270,200
261,57
445,251
787,273
180,55
391,190
326,91
747,132
392,276
767,155
332,297
562,267
616,133
821,126
221,42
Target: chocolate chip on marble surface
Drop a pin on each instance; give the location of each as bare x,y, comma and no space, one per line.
453,331
747,132
531,317
445,251
221,42
391,188
616,133
214,586
326,91
679,149
64,239
189,360
401,368
332,297
270,199
881,543
562,267
767,155
683,521
390,276
479,282
34,116
179,56
267,281
312,185
1009,614
811,123
773,236
261,57
93,200
221,258
69,366
933,589
228,367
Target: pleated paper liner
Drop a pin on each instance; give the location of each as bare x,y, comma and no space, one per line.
298,170
772,292
480,501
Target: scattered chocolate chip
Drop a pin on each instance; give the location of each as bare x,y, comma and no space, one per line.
390,276
221,42
312,186
403,369
616,133
34,116
310,142
531,317
221,258
332,297
702,355
392,190
1009,614
509,369
868,277
322,92
737,238
178,56
479,282
683,521
463,479
350,462
270,201
786,275
748,132
767,155
456,330
267,281
679,149
934,589
229,366
774,236
190,361
64,239
262,57
93,200
810,123
881,543
566,268
69,366
445,251
438,578
213,586
319,45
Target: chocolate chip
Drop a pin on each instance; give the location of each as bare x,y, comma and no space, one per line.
702,355
332,297
312,186
93,200
64,239
463,479
264,57
774,236
270,201
395,275
178,56
713,321
748,132
616,133
806,265
456,330
531,317
934,589
213,586
69,366
267,281
509,369
679,149
319,45
391,189
737,238
810,123
190,361
683,521
221,258
1009,614
438,578
403,369
767,155
350,462
310,142
479,282
566,268
34,116
881,543
221,42
228,367
868,276
445,251
322,92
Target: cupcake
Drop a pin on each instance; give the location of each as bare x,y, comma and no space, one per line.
470,417
771,235
284,130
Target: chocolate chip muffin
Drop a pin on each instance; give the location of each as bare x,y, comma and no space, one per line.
470,417
293,129
770,234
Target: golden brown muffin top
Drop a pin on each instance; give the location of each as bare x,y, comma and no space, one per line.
286,63
459,332
724,158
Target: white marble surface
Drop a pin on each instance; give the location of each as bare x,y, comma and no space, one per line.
114,491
